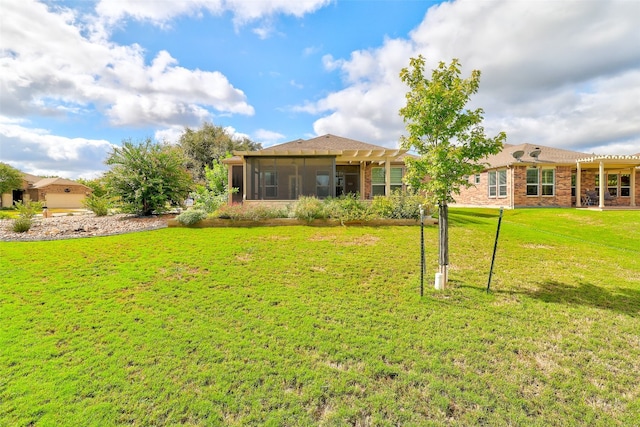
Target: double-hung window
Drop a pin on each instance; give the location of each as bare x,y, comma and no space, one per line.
625,185
533,181
612,184
548,182
502,183
493,181
396,179
377,181
497,183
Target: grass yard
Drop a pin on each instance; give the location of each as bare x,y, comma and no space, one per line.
303,326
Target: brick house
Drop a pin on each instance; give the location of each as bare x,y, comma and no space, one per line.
527,175
325,166
52,192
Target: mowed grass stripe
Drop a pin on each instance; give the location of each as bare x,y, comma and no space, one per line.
325,326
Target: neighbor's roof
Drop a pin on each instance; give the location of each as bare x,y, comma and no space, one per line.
326,145
44,182
31,179
547,155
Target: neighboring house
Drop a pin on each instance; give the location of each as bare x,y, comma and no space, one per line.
52,192
326,166
527,175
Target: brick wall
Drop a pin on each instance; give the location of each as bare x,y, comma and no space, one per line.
478,194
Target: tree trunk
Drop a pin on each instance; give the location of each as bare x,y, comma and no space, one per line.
443,228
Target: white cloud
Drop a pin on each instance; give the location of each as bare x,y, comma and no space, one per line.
267,138
564,74
170,135
50,68
234,134
41,153
243,11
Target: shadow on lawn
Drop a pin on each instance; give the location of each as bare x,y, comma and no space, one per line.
462,218
624,300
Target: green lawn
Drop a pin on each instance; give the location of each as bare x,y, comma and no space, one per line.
303,326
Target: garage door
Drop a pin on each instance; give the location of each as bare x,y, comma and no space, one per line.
60,200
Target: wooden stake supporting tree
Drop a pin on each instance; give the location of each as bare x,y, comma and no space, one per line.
449,139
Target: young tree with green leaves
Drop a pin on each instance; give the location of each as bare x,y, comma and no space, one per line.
10,179
147,177
205,146
215,192
449,138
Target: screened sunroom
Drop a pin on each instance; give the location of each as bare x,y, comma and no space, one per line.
326,166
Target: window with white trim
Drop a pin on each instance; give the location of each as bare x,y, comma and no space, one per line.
497,183
612,184
476,178
533,181
493,180
378,180
502,183
573,185
625,185
396,179
548,182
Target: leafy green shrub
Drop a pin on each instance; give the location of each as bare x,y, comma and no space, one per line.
191,216
382,207
348,207
99,205
207,200
28,209
5,215
309,208
22,224
400,205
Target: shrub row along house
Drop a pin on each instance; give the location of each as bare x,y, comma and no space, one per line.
520,176
51,192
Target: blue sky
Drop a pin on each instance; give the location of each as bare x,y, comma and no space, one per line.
78,77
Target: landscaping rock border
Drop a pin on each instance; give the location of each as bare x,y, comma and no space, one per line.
84,225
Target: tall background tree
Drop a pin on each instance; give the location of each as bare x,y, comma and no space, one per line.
209,145
147,177
449,138
10,179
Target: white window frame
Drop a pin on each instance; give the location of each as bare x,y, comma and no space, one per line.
376,186
532,185
625,187
502,183
497,183
397,185
544,185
